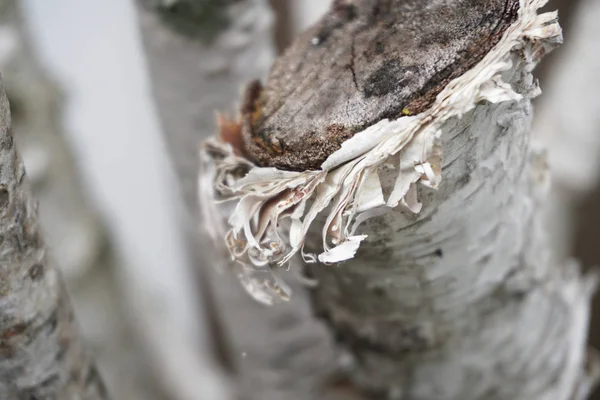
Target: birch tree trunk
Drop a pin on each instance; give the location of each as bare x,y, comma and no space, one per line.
42,352
434,274
201,72
571,134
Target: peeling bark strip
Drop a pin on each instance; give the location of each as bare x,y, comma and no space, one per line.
453,294
41,352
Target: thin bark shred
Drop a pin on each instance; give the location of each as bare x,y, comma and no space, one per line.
442,285
42,353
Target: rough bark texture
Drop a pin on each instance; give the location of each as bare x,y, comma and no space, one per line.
42,352
462,298
370,60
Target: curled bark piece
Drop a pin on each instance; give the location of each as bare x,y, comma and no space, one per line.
42,351
454,293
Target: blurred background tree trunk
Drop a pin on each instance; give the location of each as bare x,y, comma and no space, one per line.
271,352
568,118
72,226
111,124
74,230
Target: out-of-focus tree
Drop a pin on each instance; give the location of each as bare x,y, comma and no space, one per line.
568,122
72,227
195,75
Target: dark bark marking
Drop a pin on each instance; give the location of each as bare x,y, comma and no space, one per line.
4,197
36,272
384,80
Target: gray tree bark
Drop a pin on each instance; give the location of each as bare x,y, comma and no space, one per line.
438,289
43,355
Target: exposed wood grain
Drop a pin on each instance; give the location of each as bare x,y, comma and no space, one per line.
366,60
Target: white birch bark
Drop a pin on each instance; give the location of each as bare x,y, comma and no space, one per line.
43,355
453,293
466,296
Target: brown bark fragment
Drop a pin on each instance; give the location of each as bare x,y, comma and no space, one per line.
366,60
